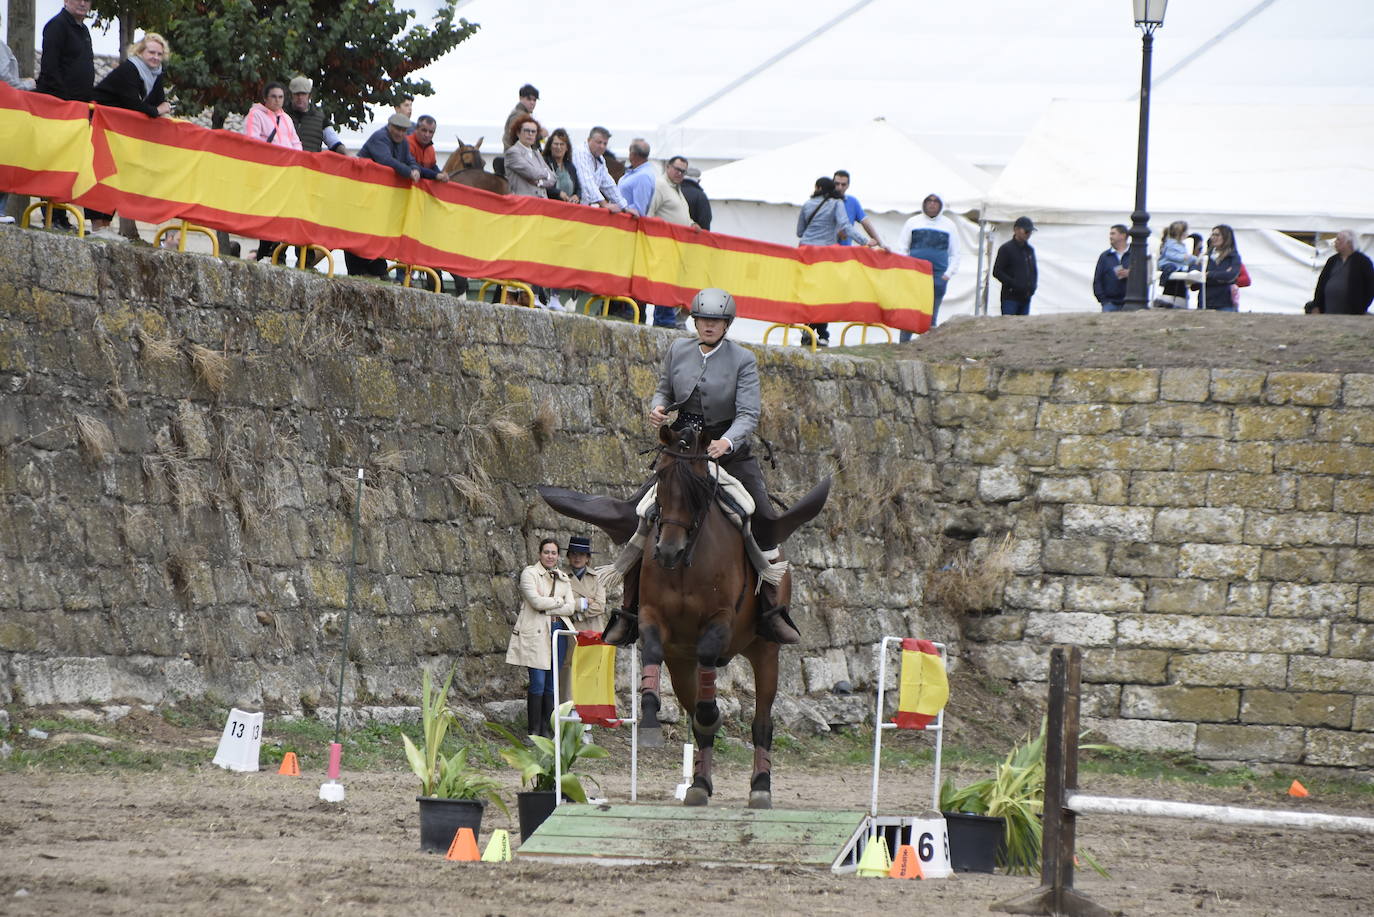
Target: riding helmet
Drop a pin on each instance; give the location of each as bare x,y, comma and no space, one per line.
713,302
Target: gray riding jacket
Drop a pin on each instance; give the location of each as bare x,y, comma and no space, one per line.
727,383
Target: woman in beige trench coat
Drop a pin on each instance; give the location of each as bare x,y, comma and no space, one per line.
546,605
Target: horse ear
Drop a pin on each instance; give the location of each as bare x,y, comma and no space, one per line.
459,139
478,144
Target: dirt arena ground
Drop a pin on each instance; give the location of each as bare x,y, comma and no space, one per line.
203,841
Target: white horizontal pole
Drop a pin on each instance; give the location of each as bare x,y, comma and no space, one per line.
1227,815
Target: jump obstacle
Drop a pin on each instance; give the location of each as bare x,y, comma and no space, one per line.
1063,803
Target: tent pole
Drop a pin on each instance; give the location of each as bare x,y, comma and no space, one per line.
980,302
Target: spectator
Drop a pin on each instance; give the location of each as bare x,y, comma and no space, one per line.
558,154
854,210
526,169
546,606
1015,269
529,97
669,204
136,84
406,107
67,69
1113,267
1174,262
597,188
1346,283
266,121
421,143
312,127
637,184
823,221
589,592
1223,269
390,147
931,236
698,204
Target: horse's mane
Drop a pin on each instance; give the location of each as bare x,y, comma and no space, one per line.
696,488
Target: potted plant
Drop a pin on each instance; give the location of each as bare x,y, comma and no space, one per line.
997,820
535,762
452,794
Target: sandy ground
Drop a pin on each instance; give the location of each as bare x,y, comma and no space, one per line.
208,842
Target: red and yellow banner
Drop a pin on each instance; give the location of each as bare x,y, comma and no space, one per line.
156,170
593,679
924,685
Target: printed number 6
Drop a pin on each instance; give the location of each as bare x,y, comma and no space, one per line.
924,849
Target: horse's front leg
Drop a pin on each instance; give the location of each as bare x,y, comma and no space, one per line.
763,656
711,646
651,670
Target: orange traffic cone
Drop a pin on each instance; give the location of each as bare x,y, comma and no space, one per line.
464,847
289,765
906,865
1298,790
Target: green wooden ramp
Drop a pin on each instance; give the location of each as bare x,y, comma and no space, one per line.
627,834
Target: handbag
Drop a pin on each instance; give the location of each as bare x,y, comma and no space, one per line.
1243,278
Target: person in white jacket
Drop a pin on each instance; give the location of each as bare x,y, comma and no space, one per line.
931,236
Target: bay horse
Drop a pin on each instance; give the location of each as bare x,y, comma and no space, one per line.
466,166
698,609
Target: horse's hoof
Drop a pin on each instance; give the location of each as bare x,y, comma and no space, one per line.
651,738
760,799
696,796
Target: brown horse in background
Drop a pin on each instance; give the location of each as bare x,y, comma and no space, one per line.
698,609
467,167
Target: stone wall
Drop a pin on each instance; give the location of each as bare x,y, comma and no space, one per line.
1206,535
203,548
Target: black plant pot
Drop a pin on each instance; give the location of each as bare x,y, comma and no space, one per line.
974,841
440,820
533,806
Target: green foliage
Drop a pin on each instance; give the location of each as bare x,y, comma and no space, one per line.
535,762
1015,793
358,52
444,777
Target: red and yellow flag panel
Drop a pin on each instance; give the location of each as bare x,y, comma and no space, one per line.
924,686
158,170
593,680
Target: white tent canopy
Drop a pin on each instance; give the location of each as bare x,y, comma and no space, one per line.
1282,167
889,172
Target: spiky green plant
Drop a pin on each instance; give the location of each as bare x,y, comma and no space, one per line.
445,777
535,762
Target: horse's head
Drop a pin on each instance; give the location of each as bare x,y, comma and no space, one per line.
470,155
684,492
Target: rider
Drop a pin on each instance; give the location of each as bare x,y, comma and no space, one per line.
714,384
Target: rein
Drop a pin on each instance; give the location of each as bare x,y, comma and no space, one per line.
694,526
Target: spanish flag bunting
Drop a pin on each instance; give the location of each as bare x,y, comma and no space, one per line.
924,687
593,680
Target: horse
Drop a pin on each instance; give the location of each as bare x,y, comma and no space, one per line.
698,609
466,166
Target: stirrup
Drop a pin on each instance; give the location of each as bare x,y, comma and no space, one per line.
625,624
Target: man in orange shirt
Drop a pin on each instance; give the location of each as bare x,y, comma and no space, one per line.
422,142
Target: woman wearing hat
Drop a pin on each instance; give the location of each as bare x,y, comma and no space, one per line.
546,605
589,593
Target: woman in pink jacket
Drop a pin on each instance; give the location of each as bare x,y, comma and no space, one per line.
267,121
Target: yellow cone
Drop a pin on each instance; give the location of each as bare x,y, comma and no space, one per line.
498,848
876,861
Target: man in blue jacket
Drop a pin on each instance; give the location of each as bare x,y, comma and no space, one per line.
1113,267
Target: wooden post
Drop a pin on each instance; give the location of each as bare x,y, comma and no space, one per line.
20,38
1056,894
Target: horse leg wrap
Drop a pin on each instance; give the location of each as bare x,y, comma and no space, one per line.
706,719
701,766
649,678
763,761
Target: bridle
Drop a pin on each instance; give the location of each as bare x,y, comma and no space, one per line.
694,526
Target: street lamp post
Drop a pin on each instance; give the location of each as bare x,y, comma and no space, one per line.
1149,15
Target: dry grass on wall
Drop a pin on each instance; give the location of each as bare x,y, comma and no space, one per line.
211,366
95,437
973,581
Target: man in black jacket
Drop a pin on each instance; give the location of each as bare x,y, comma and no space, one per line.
67,69
1346,283
1015,269
698,204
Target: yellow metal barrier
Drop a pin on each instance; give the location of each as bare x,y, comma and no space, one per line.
804,329
417,269
606,305
506,286
184,227
48,206
301,264
863,335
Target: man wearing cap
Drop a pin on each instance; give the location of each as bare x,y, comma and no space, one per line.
698,204
312,127
1015,269
713,383
589,594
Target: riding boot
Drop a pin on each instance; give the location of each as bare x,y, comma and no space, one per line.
774,622
623,627
534,713
546,716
